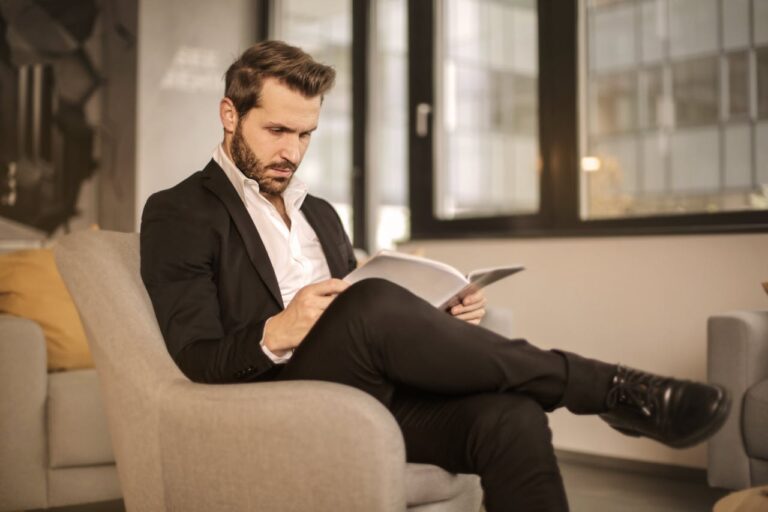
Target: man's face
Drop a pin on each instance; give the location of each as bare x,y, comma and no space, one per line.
269,142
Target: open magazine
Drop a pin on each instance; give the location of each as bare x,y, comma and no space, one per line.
438,283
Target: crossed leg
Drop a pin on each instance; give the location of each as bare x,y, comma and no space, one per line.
503,437
466,399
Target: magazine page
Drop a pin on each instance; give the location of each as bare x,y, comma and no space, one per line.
433,281
485,276
479,279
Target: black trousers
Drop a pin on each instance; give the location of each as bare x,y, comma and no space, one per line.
466,399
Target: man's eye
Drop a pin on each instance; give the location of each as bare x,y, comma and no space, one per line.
276,130
306,135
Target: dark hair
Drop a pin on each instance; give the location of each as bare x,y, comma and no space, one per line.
290,65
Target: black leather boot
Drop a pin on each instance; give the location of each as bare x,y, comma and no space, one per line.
678,413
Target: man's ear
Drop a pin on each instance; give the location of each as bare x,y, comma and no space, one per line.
228,115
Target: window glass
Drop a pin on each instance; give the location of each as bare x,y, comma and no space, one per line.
653,105
487,109
760,21
653,29
676,130
738,85
693,27
614,103
735,19
613,37
762,82
695,91
388,195
738,157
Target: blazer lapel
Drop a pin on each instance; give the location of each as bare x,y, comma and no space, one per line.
324,229
217,182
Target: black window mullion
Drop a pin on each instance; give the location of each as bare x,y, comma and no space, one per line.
558,113
263,12
360,45
421,49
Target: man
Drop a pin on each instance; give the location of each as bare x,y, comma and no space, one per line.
243,269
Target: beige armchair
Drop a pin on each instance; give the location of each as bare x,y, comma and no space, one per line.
289,446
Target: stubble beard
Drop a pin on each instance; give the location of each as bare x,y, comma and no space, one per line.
249,164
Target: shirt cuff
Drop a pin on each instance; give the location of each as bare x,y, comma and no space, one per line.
273,357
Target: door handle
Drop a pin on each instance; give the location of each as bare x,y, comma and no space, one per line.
422,119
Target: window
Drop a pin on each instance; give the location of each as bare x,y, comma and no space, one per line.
538,118
669,108
475,151
487,116
634,116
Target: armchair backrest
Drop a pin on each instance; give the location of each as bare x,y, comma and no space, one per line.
101,271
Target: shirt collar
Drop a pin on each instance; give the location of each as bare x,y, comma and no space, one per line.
293,196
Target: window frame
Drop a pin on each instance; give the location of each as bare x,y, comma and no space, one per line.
559,132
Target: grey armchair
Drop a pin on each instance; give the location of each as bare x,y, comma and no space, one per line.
292,446
738,359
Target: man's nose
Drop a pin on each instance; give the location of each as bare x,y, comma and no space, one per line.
291,149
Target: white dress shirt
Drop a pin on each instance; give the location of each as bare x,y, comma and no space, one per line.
295,252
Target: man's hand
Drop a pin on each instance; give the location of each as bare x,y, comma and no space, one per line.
285,330
471,309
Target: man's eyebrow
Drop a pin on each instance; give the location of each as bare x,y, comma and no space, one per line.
271,125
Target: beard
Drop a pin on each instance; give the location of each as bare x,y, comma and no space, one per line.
249,164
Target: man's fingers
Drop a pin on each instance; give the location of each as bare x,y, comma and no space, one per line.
473,298
321,302
459,309
329,287
477,314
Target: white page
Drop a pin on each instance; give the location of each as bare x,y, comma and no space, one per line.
431,280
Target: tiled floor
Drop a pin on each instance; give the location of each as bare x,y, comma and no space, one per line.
597,487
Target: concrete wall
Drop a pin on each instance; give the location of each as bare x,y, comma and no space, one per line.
642,301
185,46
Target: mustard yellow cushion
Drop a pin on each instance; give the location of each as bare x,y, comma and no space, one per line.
31,287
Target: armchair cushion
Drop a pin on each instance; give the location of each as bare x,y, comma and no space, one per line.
77,423
31,287
426,483
756,420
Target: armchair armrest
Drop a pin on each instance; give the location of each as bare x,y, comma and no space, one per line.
737,358
282,446
23,389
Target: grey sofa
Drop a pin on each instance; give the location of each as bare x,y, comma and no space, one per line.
738,359
298,446
54,444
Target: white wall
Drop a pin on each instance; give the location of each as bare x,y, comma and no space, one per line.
185,46
642,301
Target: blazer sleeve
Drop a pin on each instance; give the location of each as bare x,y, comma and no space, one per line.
179,255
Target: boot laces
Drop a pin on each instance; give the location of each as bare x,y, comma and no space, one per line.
635,389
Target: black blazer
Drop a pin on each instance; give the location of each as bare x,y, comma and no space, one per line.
209,276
